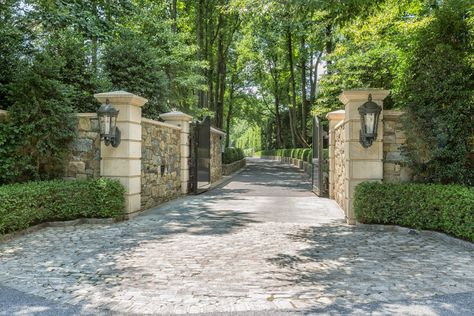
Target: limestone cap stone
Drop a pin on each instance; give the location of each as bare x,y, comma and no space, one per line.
336,115
176,116
218,131
121,97
362,95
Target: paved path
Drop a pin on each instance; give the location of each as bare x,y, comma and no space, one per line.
262,245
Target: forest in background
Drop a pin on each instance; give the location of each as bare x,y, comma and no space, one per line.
261,69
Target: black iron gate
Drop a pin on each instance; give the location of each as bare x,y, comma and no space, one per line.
200,152
319,163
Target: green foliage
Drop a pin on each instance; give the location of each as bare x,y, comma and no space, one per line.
305,154
133,66
31,203
231,155
40,125
446,208
250,137
437,92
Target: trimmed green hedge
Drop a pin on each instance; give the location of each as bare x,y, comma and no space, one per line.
231,155
446,208
27,204
304,154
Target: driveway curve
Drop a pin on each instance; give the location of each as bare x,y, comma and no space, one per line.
260,244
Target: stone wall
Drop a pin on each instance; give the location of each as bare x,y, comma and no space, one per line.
233,167
339,192
216,155
84,158
393,140
160,163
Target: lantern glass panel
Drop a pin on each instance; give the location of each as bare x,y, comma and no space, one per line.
113,123
104,125
369,123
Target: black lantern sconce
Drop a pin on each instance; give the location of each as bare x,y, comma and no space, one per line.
369,120
109,131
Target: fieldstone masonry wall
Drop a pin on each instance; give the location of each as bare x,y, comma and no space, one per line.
394,169
152,160
84,159
216,155
339,165
160,163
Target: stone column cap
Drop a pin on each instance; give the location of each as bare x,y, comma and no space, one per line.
218,131
362,95
121,97
176,116
336,115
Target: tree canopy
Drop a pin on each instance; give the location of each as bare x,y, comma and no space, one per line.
260,69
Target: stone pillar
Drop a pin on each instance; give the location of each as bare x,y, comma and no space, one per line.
124,162
362,164
182,120
334,118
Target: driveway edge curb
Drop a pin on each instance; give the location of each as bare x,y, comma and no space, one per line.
406,230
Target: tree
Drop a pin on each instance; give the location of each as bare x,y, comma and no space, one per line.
437,92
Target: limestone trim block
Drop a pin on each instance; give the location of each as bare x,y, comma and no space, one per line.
392,115
124,162
117,167
359,95
218,131
158,123
121,98
336,115
183,121
128,149
176,116
85,115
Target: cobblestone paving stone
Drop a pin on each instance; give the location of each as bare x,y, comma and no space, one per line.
205,254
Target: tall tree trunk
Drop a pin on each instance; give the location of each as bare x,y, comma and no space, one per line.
276,92
95,42
210,58
290,116
229,114
293,85
304,101
329,43
200,42
174,16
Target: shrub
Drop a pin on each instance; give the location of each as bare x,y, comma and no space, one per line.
40,125
232,154
305,154
438,98
27,204
446,208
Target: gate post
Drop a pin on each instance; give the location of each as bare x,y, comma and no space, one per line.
124,162
361,164
182,120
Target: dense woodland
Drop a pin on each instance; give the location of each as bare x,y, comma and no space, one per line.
260,68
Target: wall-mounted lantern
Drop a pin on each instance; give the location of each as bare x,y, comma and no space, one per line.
369,120
109,131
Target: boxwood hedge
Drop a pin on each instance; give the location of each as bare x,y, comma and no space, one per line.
27,204
304,154
231,155
438,207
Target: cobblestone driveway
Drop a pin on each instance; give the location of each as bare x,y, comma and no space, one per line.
262,242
